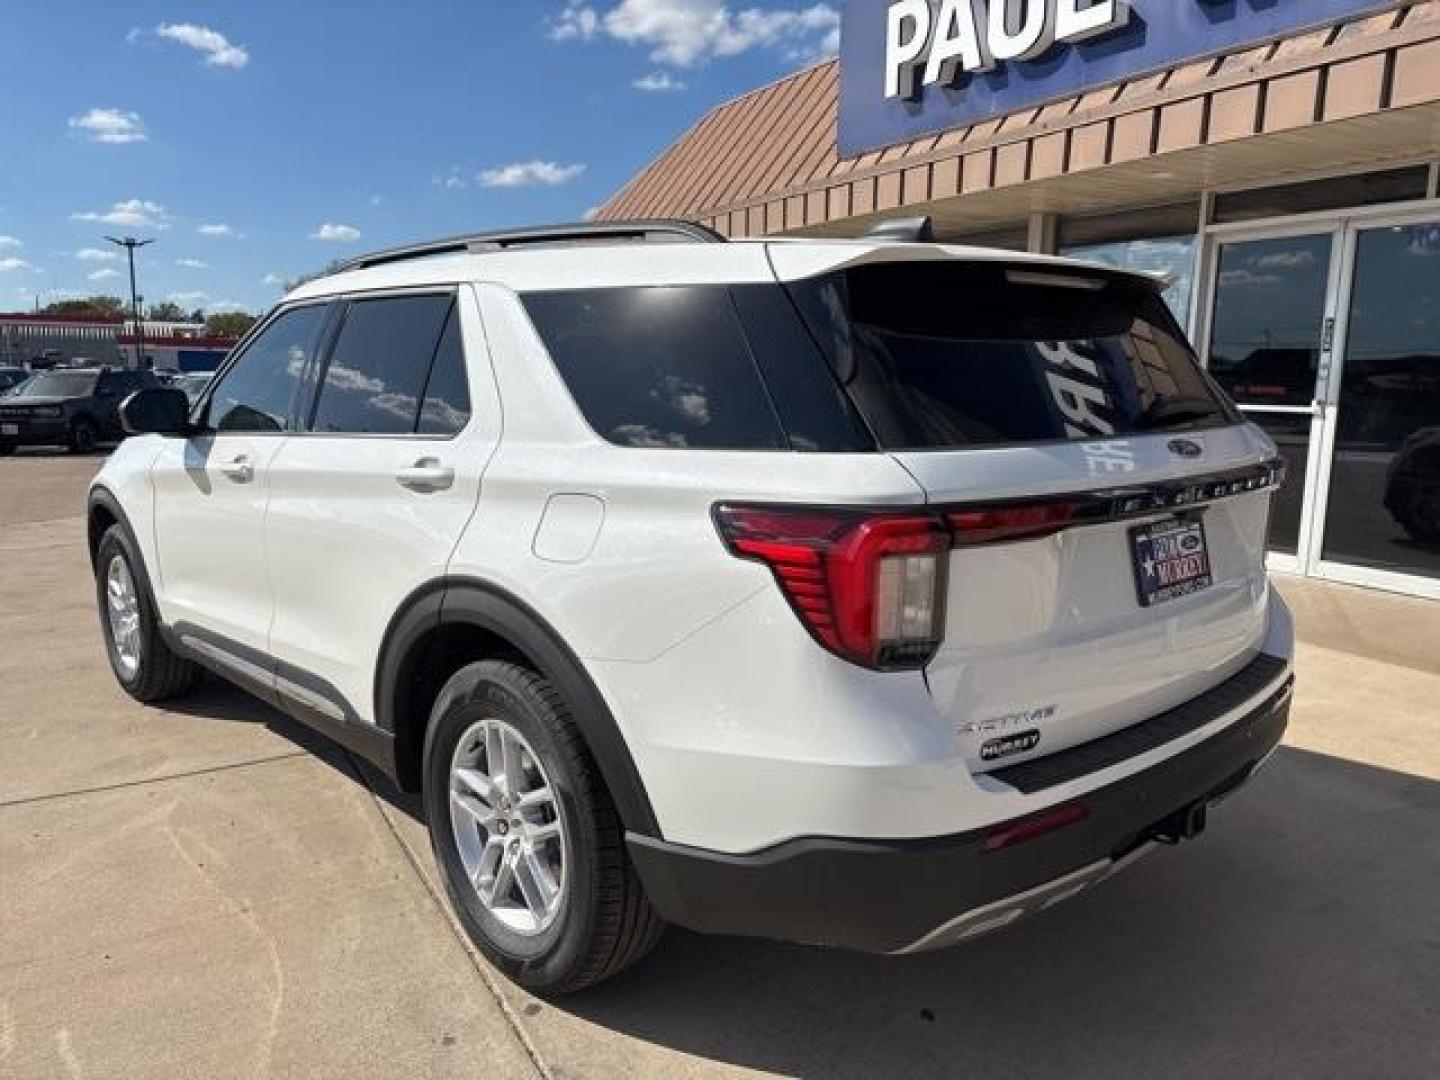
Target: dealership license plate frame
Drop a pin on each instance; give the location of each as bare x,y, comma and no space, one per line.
1150,590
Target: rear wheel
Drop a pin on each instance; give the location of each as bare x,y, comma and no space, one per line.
143,663
526,837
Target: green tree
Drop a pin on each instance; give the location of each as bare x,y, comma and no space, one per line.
90,307
167,311
229,323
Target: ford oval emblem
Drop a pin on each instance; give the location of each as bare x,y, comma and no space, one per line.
1186,448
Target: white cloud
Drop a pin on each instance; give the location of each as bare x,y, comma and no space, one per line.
10,262
227,305
688,33
219,230
188,299
139,213
272,279
213,45
103,274
529,174
96,255
336,234
110,126
656,82
192,264
591,214
451,180
376,200
577,21
9,243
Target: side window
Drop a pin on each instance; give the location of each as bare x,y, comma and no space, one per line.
446,408
256,394
378,367
659,366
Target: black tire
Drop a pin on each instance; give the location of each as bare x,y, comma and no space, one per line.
161,674
84,436
1419,513
605,923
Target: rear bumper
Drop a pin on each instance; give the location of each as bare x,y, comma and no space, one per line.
891,896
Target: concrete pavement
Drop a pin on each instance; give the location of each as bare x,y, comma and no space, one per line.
211,891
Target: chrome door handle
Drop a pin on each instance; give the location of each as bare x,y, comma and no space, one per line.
238,469
427,474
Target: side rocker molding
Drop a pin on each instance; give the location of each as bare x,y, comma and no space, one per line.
475,603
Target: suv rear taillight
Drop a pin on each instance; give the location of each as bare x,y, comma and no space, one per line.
869,586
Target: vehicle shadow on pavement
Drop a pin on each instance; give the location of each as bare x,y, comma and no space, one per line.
1299,937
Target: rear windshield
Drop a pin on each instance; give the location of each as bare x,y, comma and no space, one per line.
944,355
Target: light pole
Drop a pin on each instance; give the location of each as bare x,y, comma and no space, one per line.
129,243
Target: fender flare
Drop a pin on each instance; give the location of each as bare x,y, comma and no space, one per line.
103,498
473,602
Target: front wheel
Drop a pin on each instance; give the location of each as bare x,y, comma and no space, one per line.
144,664
84,436
525,834
1419,515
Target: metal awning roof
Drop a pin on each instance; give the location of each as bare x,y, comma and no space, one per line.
767,162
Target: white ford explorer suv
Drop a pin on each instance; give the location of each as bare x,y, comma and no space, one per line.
864,593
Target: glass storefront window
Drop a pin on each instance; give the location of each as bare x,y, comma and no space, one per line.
1384,504
1269,318
1170,257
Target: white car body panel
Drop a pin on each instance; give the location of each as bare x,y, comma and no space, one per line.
210,568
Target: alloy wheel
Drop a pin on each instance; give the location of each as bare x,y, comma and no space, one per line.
122,606
506,821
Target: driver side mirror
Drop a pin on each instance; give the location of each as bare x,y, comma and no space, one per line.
159,410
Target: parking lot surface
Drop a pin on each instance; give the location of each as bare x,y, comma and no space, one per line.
211,891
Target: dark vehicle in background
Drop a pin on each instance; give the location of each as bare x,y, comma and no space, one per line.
11,377
74,408
1412,487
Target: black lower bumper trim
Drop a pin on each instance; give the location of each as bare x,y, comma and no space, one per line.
885,895
1088,758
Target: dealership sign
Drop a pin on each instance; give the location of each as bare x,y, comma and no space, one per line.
918,67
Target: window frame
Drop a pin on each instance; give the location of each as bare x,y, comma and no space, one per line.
200,413
314,377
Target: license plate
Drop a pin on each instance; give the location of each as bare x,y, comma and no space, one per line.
9,429
1171,560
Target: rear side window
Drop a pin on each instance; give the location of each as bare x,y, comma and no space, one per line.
664,366
257,392
381,359
940,355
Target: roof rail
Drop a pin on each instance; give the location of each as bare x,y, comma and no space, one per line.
648,231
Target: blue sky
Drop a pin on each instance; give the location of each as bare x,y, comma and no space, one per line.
258,140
